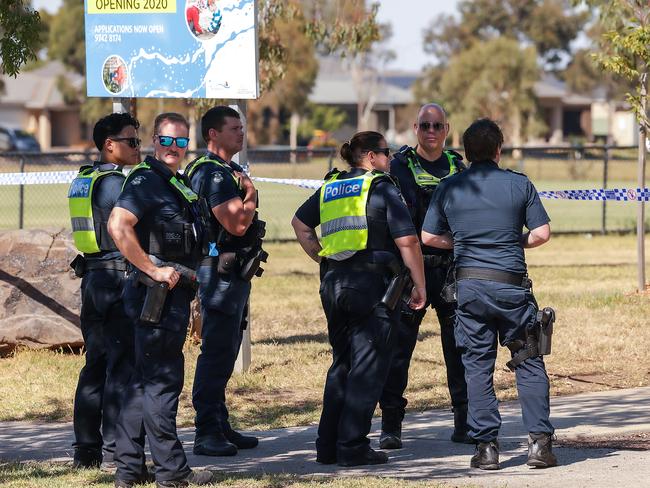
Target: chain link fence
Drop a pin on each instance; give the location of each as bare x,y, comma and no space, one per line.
41,202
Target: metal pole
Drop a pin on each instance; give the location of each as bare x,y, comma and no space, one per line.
21,197
640,216
243,362
603,228
121,105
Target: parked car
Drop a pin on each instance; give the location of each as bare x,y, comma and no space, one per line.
17,140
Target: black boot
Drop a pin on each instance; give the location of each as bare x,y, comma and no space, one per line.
540,451
369,456
86,458
460,425
391,429
241,441
214,445
486,456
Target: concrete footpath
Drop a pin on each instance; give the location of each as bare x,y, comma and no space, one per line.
427,452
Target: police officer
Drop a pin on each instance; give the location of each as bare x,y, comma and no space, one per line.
367,238
235,235
419,170
480,214
104,325
154,224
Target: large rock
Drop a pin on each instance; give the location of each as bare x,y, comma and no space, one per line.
39,294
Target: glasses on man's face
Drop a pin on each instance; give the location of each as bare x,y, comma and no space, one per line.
166,141
382,150
133,142
425,126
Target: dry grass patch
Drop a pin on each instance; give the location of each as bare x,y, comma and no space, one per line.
599,343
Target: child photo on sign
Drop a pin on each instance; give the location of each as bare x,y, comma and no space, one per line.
203,18
114,74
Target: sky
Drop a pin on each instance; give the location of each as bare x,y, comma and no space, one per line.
408,19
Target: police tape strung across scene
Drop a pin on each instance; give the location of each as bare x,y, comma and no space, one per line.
596,194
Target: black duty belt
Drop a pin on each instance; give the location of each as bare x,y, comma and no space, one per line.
514,279
119,265
378,268
435,261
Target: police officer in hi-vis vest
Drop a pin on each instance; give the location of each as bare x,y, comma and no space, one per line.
156,223
106,329
234,234
368,247
418,171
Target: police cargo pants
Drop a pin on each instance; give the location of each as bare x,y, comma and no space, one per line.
489,311
151,401
360,333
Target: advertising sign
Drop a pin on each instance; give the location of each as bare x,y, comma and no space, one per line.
171,48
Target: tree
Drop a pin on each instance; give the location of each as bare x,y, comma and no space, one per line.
493,79
67,36
20,35
625,52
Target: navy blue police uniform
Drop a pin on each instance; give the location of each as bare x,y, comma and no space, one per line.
485,208
360,328
168,229
436,266
224,298
107,333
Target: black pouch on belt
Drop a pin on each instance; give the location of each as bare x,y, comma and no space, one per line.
79,266
227,262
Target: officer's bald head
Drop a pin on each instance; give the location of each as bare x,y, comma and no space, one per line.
432,107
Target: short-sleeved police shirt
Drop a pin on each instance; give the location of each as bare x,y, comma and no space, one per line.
152,199
485,208
385,199
400,170
105,193
214,182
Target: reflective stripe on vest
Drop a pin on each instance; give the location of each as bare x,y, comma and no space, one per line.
80,202
344,223
424,178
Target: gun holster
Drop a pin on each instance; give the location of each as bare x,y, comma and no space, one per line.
227,262
79,266
154,300
251,264
449,292
537,340
399,286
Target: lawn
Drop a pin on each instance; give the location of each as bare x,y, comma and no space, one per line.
599,343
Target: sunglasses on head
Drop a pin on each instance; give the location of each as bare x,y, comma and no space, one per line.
166,141
431,125
131,141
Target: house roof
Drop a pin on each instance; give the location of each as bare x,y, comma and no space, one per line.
37,89
550,87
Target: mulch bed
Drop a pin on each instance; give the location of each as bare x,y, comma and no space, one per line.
639,441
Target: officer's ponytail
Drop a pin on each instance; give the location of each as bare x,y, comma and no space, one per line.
353,150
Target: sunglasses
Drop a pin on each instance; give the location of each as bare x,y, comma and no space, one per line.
131,141
166,141
382,150
425,126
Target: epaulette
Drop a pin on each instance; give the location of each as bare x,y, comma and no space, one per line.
403,154
516,172
331,173
455,154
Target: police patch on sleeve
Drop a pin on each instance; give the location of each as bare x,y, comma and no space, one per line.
217,177
138,180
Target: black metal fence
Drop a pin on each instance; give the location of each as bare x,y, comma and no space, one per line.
33,186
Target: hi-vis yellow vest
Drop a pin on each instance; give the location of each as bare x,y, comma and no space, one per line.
425,179
186,192
80,202
343,219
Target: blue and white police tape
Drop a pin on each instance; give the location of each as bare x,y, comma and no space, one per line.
616,194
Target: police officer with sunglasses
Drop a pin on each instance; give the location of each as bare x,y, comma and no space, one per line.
419,170
368,241
156,223
106,329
